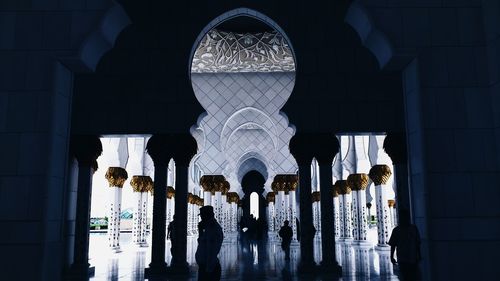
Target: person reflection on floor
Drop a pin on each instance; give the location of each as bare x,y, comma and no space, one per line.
286,234
405,240
209,245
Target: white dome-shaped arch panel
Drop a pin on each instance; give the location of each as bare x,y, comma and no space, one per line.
252,164
248,118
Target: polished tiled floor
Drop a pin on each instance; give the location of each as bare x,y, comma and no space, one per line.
263,261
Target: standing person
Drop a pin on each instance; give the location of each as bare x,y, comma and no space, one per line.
209,244
286,234
171,232
405,239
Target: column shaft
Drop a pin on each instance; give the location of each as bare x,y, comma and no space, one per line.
114,220
158,264
179,261
347,199
382,215
359,215
327,218
82,222
306,216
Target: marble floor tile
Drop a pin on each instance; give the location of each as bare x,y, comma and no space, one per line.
239,261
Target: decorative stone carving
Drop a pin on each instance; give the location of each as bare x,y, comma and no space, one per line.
285,183
221,51
342,187
270,197
191,198
170,192
232,197
380,174
357,181
116,176
141,183
316,196
391,203
335,191
214,183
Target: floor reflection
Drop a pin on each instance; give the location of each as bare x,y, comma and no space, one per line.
241,260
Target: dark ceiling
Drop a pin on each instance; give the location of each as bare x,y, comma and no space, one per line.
244,25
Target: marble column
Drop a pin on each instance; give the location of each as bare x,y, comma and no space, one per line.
345,200
329,261
270,198
184,147
316,197
86,150
217,202
300,147
358,184
140,185
232,200
306,228
336,213
395,147
116,177
293,204
207,198
281,208
224,214
179,259
380,174
391,203
190,213
158,148
170,204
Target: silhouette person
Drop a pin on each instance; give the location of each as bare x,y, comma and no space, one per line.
405,239
286,234
210,238
171,233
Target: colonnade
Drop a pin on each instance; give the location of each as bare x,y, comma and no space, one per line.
282,204
337,211
216,193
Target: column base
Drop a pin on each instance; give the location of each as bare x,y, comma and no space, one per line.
361,243
155,270
382,247
142,244
80,271
116,250
346,240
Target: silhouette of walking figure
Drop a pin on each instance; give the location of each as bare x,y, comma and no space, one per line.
405,240
171,234
286,234
210,238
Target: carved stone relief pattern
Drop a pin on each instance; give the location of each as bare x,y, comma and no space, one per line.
221,51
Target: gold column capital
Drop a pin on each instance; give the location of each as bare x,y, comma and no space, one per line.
357,181
335,191
215,183
342,187
141,183
316,196
116,176
199,201
232,197
285,182
380,174
391,203
191,198
270,197
170,192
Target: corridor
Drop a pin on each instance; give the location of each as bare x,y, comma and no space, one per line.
239,261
